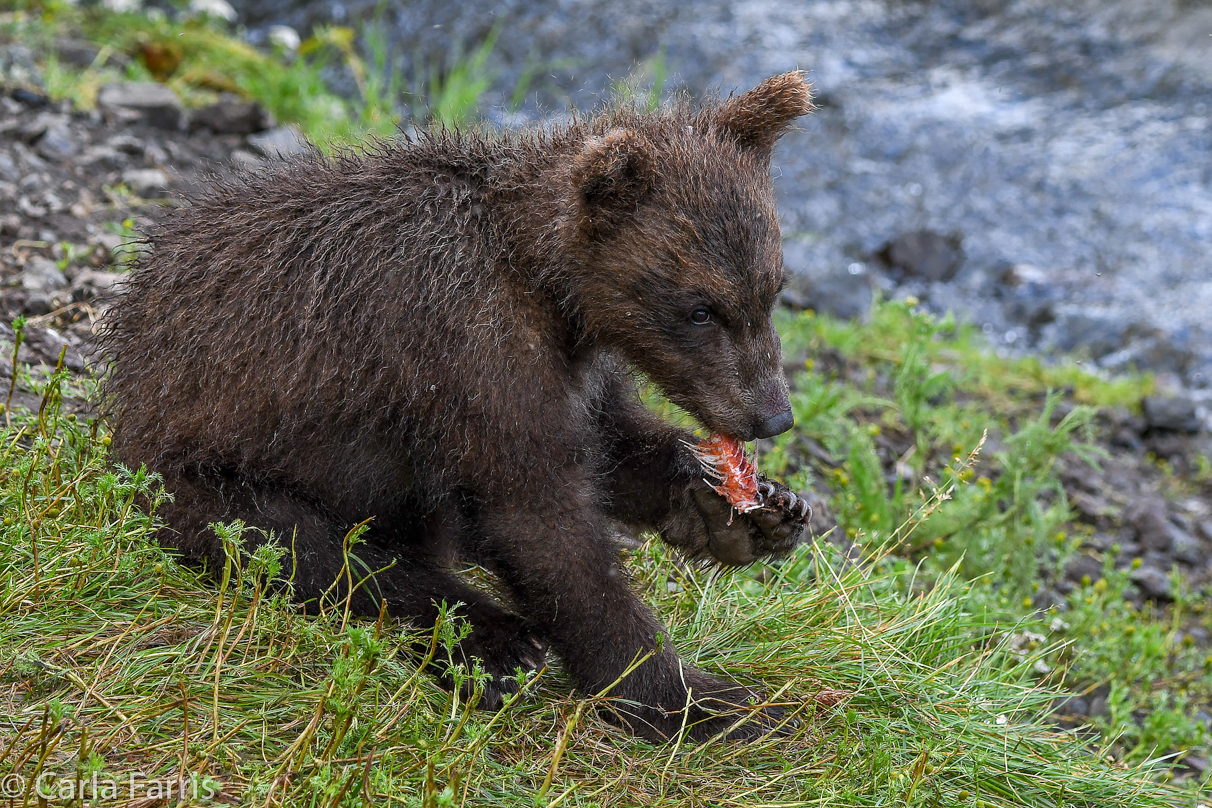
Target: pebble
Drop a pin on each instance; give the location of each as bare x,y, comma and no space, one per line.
1153,582
232,117
1153,529
1186,548
1175,413
57,143
92,282
147,101
149,183
924,254
41,274
281,142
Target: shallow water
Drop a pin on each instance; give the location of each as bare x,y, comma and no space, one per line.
1072,138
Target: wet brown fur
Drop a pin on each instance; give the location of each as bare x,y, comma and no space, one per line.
441,334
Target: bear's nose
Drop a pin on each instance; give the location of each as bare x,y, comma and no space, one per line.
774,425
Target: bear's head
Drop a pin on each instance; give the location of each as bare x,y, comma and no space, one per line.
679,256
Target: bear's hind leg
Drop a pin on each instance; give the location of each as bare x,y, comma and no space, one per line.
406,573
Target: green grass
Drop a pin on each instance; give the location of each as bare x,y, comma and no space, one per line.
919,677
118,659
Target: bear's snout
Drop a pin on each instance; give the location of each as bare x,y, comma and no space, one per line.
773,416
774,425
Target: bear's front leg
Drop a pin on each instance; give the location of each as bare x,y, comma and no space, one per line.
553,554
654,483
704,526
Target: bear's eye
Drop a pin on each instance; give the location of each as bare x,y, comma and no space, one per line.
701,316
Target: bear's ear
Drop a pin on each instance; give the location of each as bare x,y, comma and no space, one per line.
612,175
759,117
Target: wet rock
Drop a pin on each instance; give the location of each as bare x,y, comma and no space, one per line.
48,344
1096,334
246,161
232,117
1073,706
1151,350
1153,582
279,143
91,282
127,144
1186,548
1084,566
8,167
924,254
19,74
58,143
149,183
1148,518
841,290
76,52
1175,413
151,103
42,275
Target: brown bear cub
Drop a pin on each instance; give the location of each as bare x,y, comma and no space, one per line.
443,334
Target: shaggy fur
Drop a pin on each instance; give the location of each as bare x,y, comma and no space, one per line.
441,334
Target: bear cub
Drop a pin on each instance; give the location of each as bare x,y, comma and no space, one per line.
443,335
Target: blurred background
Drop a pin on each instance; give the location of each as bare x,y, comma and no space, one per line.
1043,167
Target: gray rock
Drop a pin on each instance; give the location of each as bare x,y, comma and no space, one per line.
924,254
1153,529
127,144
1082,566
1155,351
246,161
18,70
42,275
77,52
33,128
103,155
1098,707
58,143
149,183
152,103
280,143
47,344
91,283
1186,548
1096,334
1075,706
1152,582
10,225
1176,413
8,167
823,285
232,117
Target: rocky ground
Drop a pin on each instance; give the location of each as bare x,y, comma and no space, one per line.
76,187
